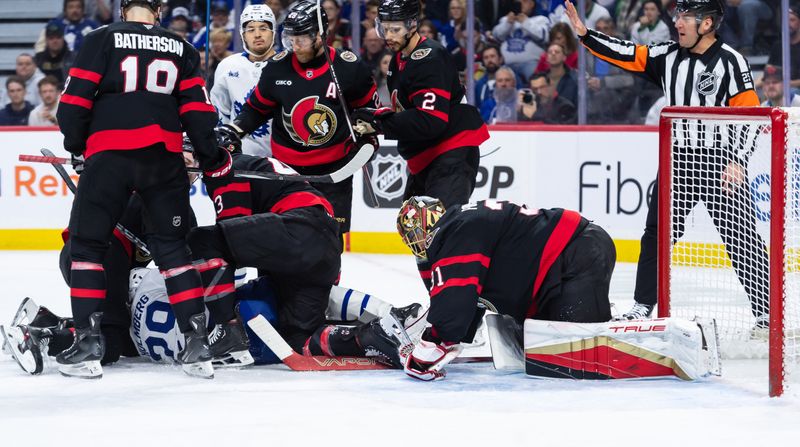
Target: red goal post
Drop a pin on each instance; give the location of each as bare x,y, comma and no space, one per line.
695,276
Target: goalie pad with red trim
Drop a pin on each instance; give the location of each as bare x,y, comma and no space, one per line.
664,347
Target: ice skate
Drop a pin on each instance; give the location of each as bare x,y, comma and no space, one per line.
82,359
414,318
25,313
195,358
230,347
25,346
639,311
386,339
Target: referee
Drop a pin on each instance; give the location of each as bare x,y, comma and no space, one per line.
698,70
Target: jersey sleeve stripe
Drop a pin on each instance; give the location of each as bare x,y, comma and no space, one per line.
191,82
464,259
85,74
262,99
254,106
458,282
301,199
233,187
196,106
747,98
436,91
364,100
77,101
234,211
441,115
637,63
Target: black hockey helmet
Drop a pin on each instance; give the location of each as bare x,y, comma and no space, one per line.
303,19
152,4
702,9
398,10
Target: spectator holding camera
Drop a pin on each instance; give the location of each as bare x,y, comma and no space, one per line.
542,103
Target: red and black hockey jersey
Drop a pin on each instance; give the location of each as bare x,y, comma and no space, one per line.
134,86
246,197
497,251
309,127
431,115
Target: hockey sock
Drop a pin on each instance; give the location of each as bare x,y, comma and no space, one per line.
185,292
333,340
347,304
87,290
218,283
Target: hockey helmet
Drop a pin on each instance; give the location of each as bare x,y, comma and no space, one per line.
416,220
188,158
257,13
304,20
702,9
405,11
152,4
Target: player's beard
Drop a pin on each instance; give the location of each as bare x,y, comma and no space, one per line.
306,55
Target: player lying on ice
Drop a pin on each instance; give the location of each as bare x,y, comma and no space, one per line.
548,272
151,330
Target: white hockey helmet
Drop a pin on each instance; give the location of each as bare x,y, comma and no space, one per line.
257,13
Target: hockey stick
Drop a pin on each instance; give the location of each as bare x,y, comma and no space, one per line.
49,155
360,159
296,362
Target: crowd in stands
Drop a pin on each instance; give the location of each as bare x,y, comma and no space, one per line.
526,54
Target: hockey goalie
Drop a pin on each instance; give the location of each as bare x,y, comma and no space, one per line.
546,273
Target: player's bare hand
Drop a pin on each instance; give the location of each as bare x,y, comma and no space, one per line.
575,20
732,177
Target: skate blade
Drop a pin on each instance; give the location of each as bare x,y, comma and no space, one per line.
30,360
6,349
203,370
237,359
82,370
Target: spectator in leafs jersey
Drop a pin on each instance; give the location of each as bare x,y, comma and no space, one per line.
133,89
438,134
237,75
296,90
547,264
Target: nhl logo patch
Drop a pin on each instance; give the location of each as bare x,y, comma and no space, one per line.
348,56
280,55
388,176
421,53
707,84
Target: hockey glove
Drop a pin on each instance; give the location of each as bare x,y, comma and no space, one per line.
77,163
229,137
368,121
428,359
222,169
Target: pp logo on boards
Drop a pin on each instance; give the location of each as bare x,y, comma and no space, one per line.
388,176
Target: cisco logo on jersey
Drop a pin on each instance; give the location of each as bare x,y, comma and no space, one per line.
388,176
707,84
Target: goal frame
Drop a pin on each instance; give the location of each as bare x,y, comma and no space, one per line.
764,115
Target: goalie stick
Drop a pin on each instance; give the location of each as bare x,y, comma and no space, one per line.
57,162
363,155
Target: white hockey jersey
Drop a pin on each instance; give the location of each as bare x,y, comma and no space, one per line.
234,80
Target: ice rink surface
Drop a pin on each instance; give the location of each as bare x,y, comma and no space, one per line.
138,403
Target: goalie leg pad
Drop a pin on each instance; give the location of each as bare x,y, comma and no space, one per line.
663,347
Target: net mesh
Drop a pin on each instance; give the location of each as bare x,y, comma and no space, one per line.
720,216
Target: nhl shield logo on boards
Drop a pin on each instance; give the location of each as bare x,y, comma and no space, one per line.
388,176
707,84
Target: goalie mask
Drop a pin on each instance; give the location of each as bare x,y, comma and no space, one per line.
416,220
257,13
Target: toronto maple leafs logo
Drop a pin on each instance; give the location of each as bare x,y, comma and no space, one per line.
262,131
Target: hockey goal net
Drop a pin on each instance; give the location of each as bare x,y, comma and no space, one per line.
729,229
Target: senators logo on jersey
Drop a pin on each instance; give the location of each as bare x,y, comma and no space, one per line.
310,123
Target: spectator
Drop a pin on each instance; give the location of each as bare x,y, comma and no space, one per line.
460,53
484,88
370,14
31,75
428,30
380,79
373,48
457,14
56,59
45,113
74,24
99,11
339,29
279,10
220,44
650,28
505,96
561,34
436,10
544,104
179,22
560,75
773,88
610,93
775,56
747,13
594,12
522,38
219,21
16,112
626,13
